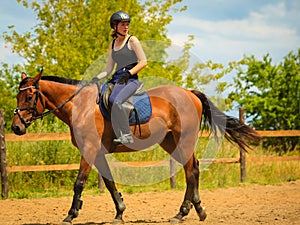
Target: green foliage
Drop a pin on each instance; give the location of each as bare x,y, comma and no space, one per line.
270,95
7,93
214,77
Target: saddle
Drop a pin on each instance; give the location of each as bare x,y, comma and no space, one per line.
138,105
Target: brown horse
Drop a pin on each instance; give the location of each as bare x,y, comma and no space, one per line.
175,123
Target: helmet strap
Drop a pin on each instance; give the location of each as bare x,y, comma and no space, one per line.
119,32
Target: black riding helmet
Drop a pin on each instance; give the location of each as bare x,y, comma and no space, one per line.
117,17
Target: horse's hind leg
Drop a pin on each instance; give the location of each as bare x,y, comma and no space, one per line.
191,168
83,174
196,197
195,187
192,196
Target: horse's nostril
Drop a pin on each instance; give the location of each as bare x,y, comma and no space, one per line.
17,130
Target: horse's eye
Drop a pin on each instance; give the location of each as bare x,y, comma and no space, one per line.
28,98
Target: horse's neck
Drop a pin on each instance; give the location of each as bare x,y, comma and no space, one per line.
76,112
54,95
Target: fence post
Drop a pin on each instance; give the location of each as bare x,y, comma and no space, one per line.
172,172
4,176
242,152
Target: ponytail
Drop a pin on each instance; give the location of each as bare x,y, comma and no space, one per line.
114,34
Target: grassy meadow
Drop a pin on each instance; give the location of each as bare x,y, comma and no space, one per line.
137,179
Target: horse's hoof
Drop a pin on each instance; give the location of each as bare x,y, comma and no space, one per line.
202,215
118,221
66,223
175,220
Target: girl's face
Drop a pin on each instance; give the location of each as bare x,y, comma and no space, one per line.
123,27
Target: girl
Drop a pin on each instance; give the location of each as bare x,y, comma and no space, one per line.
127,53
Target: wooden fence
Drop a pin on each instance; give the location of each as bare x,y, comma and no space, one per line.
5,169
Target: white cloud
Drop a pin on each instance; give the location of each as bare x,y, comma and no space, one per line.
267,30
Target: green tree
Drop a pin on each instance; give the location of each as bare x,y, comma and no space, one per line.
214,76
7,92
270,95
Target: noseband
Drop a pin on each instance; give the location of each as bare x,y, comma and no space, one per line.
33,109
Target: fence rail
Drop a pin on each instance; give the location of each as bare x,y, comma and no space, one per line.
279,133
75,166
61,136
66,136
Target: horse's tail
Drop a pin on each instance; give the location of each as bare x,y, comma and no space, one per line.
230,127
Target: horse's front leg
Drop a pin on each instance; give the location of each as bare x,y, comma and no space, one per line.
117,198
103,168
83,174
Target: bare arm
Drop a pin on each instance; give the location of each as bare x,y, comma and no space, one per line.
109,65
142,60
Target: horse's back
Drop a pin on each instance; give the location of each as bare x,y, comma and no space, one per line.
170,98
178,94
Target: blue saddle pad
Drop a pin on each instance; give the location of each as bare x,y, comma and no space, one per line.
141,104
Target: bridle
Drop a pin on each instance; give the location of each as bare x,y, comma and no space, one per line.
33,109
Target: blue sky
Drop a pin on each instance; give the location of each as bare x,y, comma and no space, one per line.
224,30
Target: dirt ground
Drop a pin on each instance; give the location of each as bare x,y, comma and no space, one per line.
254,204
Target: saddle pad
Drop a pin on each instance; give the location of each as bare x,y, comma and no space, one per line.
141,103
143,108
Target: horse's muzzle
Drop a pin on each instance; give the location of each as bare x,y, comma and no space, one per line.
18,129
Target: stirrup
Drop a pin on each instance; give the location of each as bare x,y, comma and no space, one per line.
124,139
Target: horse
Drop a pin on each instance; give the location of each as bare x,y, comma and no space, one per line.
178,115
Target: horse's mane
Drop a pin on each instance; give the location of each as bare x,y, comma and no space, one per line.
64,80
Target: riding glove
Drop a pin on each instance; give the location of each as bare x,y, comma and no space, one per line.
124,79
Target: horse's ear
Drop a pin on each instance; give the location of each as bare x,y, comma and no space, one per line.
23,76
38,77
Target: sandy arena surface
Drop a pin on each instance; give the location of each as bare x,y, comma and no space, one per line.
254,204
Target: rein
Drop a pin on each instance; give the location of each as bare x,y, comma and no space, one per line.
61,105
35,115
